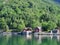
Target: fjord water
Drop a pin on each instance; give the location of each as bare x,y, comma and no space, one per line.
58,1
29,40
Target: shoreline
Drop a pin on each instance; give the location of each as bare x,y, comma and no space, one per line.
17,33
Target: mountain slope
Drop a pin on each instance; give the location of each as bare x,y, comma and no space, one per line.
17,14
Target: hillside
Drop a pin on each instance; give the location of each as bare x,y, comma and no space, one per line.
18,14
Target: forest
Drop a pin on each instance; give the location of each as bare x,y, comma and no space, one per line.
18,14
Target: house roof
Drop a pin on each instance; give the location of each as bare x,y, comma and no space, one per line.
38,28
27,28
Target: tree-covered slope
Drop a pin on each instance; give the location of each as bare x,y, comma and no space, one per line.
17,14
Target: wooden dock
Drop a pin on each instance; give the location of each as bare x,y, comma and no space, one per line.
47,33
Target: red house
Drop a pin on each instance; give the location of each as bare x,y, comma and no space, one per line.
38,29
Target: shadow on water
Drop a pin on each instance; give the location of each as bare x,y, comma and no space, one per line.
30,40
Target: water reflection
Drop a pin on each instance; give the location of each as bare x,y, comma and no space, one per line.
28,36
48,39
30,40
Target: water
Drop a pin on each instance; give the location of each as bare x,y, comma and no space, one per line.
29,40
58,1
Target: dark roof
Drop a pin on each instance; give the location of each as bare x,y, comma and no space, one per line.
37,28
27,28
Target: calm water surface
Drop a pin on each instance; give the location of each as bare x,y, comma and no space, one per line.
29,40
58,1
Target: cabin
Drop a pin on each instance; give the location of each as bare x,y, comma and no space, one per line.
38,29
29,30
26,31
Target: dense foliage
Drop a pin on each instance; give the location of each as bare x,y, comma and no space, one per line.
18,14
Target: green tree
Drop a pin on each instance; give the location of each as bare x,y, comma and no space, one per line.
21,25
29,13
14,25
35,23
44,26
51,25
2,23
